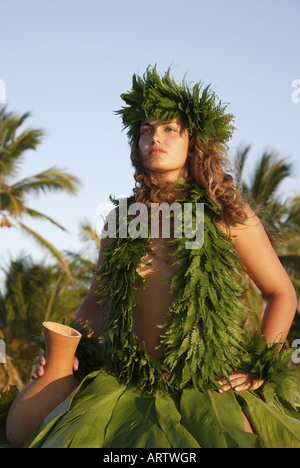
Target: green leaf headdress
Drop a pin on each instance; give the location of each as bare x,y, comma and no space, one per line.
162,98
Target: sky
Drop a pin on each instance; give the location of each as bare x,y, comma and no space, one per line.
68,61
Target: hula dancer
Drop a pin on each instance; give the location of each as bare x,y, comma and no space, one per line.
180,368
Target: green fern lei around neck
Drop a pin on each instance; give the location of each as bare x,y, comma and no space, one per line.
206,339
202,341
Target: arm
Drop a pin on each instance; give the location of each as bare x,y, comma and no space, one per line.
89,311
264,268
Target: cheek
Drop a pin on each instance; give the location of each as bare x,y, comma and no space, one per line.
183,150
142,146
143,151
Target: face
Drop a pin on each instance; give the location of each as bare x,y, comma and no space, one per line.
164,148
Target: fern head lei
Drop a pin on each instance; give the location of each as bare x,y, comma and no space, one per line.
160,97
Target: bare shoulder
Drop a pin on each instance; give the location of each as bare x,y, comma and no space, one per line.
251,227
243,229
249,238
257,254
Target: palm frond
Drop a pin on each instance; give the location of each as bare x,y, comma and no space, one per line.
53,179
13,146
88,233
39,215
49,247
267,178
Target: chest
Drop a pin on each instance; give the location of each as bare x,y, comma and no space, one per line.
158,262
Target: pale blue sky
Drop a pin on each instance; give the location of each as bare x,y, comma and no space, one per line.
68,61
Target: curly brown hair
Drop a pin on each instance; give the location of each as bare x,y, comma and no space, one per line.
209,168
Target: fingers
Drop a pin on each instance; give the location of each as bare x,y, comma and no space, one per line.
75,364
39,370
40,366
241,380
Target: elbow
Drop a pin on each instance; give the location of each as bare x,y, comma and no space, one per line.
286,296
295,299
279,314
284,288
292,297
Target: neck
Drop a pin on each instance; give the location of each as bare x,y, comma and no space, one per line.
158,191
169,177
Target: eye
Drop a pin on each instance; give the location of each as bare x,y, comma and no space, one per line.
170,129
145,131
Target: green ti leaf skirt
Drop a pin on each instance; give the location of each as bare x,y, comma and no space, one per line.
102,413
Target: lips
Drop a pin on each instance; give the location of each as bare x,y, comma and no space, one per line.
156,150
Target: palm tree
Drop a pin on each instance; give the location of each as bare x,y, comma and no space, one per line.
263,190
33,293
88,235
281,216
21,309
13,194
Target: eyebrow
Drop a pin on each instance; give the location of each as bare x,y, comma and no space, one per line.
165,123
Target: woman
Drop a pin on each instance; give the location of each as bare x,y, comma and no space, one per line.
178,356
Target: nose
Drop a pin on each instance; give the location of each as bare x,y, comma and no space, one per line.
155,136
